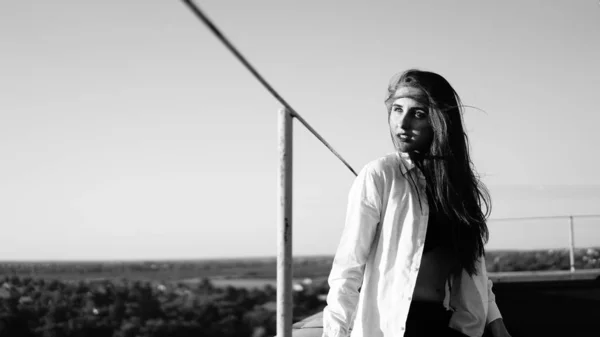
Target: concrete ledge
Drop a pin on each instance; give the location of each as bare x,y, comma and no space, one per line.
542,276
544,303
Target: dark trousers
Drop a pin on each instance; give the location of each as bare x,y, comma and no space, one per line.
426,319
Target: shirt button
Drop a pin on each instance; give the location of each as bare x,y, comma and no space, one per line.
402,328
410,298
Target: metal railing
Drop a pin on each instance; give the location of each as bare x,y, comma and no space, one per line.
571,229
284,178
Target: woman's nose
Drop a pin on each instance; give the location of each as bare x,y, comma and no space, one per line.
405,122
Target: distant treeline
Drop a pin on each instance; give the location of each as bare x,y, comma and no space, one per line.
111,308
557,259
304,267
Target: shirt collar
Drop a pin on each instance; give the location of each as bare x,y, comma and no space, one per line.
406,164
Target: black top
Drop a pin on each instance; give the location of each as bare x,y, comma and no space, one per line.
438,232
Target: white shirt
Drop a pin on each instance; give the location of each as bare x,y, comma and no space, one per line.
380,252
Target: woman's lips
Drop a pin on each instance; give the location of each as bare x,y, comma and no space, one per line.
404,137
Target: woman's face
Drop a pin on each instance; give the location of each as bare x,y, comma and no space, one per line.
409,121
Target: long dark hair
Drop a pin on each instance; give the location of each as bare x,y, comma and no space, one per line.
454,190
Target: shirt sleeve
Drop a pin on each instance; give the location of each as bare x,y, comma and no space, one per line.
345,278
493,311
469,315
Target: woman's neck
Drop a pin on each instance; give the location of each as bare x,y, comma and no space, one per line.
412,158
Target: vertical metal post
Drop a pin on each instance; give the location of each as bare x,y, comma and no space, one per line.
284,227
572,243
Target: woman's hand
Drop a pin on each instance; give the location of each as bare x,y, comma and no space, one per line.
497,328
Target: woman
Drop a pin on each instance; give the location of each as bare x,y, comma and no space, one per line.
410,260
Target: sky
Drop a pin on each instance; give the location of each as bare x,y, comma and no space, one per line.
128,131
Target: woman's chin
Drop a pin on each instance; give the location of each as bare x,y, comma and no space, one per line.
405,147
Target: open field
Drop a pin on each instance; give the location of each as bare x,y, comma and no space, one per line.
262,271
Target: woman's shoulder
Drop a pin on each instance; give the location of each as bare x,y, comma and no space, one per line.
383,169
384,164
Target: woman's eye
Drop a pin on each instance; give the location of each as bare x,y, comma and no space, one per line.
397,109
420,114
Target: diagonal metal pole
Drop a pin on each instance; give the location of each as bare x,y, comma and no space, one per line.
194,8
301,120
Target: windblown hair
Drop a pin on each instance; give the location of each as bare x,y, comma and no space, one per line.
454,191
